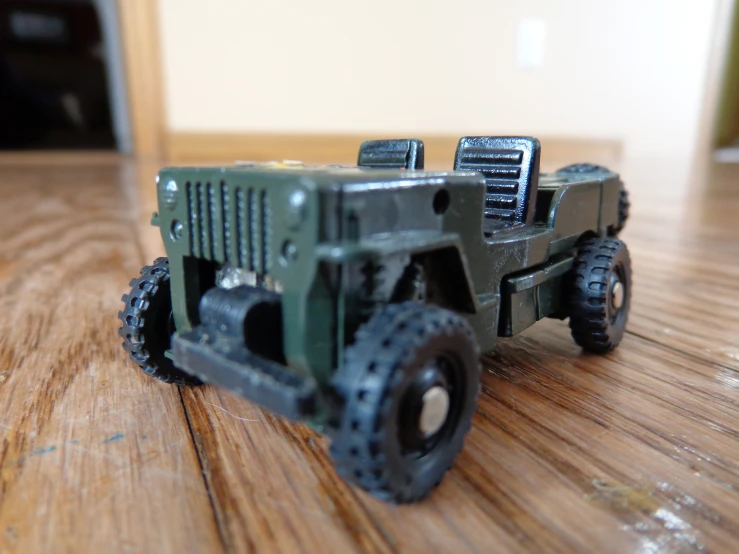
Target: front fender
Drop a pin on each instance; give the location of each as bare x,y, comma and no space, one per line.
445,249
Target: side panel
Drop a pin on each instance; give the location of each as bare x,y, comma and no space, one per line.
610,203
464,218
397,219
369,258
372,272
416,223
485,326
575,209
491,257
532,295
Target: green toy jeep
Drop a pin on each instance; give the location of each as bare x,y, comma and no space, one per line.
358,299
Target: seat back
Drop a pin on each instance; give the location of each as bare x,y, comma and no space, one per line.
394,153
511,169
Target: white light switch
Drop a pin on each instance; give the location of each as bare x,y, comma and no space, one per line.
531,43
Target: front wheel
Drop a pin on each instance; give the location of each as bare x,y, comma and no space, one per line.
409,386
600,294
147,324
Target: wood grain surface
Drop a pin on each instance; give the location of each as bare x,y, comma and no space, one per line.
637,451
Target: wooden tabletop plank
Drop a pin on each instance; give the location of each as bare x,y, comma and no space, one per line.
92,453
686,278
632,416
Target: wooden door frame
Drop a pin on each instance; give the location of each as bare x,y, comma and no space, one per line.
141,47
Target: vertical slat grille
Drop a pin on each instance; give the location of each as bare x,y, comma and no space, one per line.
225,251
217,225
265,233
192,200
230,224
205,229
253,230
241,227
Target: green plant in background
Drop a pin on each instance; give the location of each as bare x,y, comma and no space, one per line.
727,131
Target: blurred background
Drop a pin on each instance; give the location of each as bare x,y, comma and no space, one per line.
632,83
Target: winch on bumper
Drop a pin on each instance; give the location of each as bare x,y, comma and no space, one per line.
238,345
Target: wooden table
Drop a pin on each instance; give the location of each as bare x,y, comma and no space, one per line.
637,451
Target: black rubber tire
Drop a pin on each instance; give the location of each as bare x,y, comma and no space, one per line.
146,324
392,353
623,213
596,325
582,168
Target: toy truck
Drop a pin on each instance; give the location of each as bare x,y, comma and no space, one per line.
358,299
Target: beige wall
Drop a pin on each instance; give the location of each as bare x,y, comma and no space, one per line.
626,69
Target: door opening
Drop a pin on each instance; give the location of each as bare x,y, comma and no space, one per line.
61,76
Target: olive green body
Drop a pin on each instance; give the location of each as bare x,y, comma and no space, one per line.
337,244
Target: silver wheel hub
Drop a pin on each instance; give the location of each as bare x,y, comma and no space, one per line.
617,295
434,410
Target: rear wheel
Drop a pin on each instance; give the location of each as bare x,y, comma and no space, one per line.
623,213
148,325
600,294
582,168
409,387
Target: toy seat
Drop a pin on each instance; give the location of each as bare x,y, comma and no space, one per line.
395,153
511,169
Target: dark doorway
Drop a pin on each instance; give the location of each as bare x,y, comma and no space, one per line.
53,76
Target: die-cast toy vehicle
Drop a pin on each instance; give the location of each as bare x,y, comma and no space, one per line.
359,299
